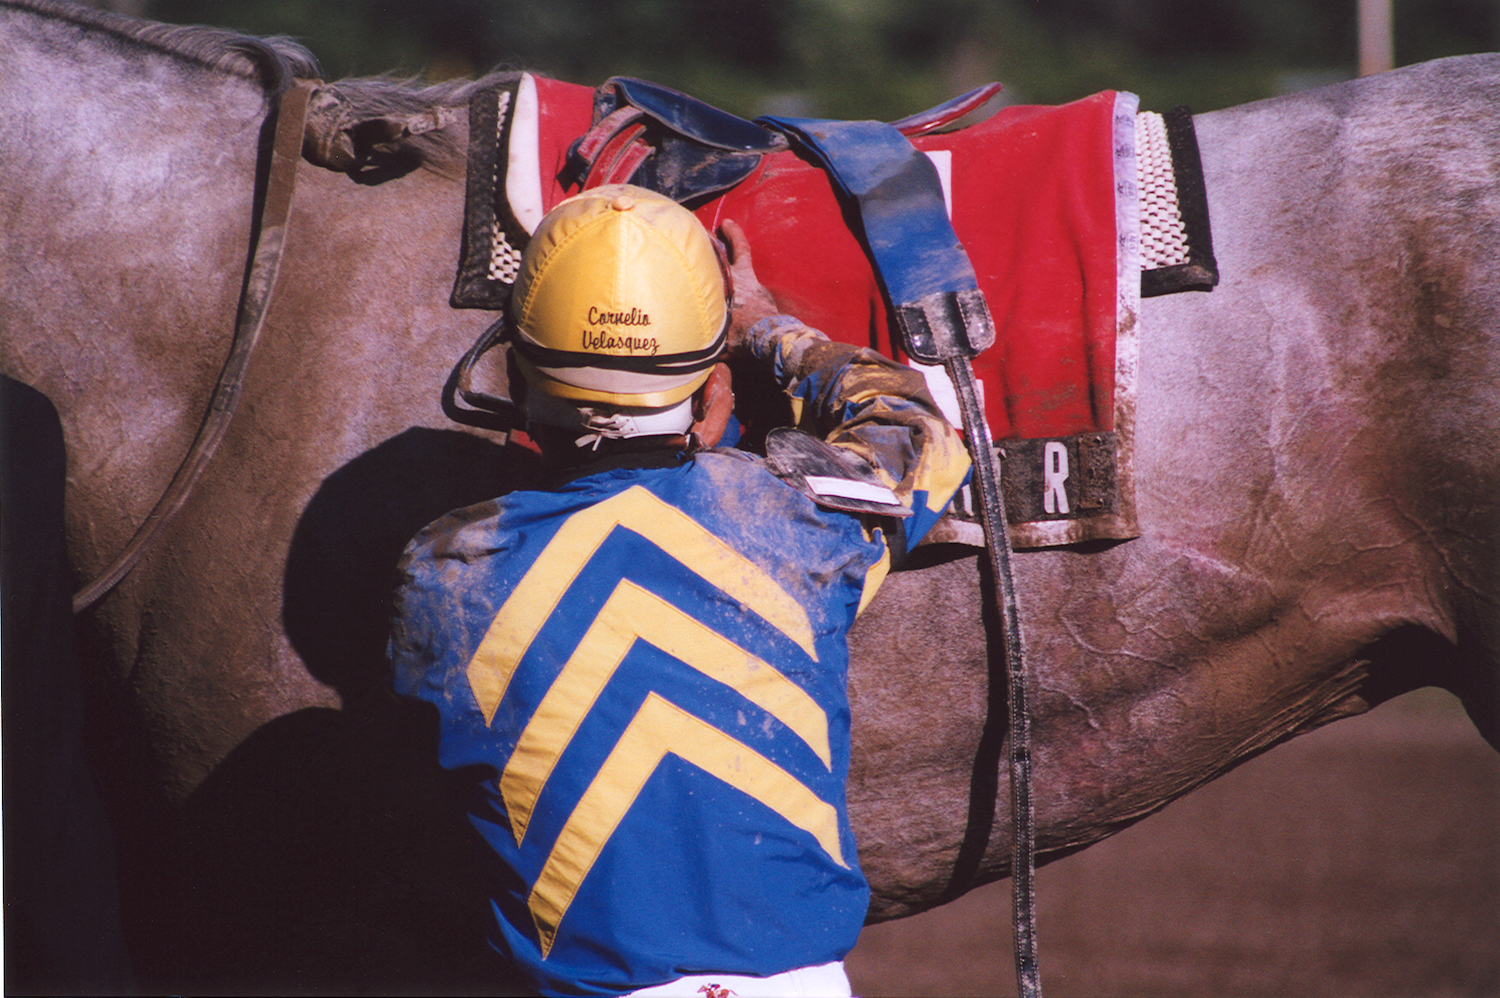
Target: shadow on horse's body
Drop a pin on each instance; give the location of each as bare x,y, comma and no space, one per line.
1318,469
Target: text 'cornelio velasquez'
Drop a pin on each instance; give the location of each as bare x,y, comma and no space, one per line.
599,340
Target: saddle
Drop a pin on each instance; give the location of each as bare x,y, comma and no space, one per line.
1118,213
667,141
655,137
642,133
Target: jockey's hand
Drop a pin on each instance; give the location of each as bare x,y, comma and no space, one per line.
752,302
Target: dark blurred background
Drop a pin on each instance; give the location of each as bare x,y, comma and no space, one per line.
862,58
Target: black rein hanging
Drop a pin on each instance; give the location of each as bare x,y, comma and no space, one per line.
255,300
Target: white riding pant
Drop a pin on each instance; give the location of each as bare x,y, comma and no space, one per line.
825,981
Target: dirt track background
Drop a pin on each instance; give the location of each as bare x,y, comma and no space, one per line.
1360,860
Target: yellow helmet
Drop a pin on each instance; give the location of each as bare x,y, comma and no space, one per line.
620,300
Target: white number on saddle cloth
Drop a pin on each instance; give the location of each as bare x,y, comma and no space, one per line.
1054,474
942,159
939,385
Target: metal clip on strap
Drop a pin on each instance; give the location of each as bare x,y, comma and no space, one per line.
946,325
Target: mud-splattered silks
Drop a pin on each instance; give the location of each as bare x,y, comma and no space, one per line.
645,671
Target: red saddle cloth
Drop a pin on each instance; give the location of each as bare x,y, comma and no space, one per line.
1044,202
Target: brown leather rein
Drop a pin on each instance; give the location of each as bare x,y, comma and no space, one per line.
255,300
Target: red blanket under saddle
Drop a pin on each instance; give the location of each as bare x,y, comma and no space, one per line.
1033,201
1035,194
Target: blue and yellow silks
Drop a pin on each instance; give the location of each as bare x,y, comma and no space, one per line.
646,670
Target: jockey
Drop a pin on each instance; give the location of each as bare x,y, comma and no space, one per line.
644,668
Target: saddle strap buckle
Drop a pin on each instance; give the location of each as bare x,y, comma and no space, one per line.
614,129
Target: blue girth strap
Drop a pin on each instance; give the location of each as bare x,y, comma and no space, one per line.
922,266
942,318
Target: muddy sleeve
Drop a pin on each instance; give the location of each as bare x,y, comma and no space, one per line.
857,399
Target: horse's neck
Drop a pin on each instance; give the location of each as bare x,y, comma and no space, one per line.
127,198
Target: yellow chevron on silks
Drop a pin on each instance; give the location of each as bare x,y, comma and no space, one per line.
660,728
630,614
535,598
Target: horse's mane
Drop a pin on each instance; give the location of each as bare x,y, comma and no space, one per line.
274,61
375,96
360,122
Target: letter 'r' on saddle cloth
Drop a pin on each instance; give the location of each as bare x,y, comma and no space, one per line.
1049,203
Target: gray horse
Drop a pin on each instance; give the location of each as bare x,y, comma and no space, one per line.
1317,465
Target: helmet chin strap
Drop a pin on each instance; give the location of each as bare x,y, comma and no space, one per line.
599,423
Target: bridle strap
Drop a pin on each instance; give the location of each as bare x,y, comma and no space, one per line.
255,300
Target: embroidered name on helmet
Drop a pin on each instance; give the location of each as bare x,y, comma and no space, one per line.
602,317
600,341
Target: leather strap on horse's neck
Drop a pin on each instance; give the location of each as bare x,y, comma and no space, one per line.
255,300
